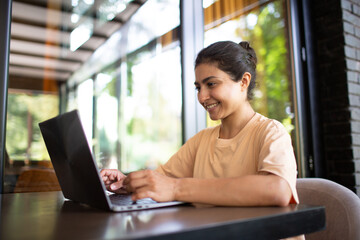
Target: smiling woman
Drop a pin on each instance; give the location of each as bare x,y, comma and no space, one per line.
245,150
225,80
217,92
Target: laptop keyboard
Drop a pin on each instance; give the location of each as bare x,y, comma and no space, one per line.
119,199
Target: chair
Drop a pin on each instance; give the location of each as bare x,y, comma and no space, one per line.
342,208
37,180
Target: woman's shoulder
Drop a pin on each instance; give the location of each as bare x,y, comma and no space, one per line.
263,123
270,130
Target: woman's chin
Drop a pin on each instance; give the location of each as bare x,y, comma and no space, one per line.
214,118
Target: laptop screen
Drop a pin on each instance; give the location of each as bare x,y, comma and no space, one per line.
72,159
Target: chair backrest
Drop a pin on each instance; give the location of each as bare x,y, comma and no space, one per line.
342,208
37,180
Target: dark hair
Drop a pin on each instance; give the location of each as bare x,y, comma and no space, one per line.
232,58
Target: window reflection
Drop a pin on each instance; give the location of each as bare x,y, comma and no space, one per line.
24,142
110,8
94,77
84,103
83,21
138,96
25,148
81,34
146,26
107,121
152,109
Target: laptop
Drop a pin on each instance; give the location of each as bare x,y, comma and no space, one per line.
76,169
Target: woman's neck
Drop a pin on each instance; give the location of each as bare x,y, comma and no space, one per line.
232,125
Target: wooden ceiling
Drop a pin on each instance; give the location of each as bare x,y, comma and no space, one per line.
40,55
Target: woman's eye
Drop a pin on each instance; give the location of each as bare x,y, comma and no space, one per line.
210,84
197,88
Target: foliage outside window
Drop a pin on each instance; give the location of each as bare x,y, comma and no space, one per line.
23,138
152,109
265,28
137,96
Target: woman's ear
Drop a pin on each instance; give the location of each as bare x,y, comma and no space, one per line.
245,81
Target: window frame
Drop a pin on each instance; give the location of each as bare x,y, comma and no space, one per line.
5,19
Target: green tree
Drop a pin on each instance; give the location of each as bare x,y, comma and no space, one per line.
269,39
24,112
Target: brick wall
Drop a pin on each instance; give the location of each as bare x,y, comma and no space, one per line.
337,26
351,23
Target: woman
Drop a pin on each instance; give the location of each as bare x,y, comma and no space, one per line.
247,160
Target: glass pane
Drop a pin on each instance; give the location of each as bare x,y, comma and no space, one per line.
54,52
265,27
25,148
137,101
84,104
106,147
153,19
81,98
152,109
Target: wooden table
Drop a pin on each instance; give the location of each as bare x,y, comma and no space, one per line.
47,215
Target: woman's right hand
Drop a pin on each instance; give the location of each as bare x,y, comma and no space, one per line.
113,180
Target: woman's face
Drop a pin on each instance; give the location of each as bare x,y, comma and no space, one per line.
218,93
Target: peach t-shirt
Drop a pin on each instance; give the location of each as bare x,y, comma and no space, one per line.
262,146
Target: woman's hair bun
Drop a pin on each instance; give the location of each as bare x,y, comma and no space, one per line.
245,45
251,55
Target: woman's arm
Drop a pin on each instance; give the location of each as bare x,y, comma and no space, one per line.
251,190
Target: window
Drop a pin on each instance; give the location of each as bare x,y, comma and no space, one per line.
264,25
106,135
24,141
137,91
152,109
25,148
84,103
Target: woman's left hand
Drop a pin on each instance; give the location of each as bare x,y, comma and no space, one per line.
150,184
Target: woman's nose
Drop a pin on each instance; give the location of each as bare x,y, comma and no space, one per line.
203,95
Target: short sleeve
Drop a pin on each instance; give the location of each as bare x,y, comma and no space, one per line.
277,155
